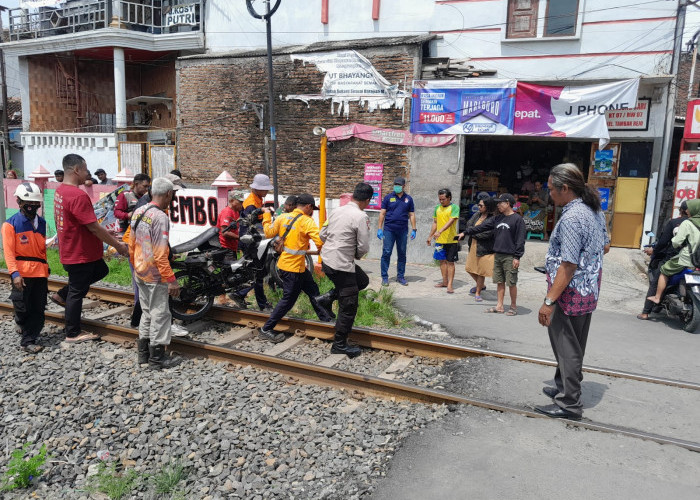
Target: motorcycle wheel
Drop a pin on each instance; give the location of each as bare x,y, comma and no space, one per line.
274,270
693,322
194,300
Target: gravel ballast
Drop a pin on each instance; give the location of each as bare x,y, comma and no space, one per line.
241,432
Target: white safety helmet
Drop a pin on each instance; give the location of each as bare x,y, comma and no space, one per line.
28,191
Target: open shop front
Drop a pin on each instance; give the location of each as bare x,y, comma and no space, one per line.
620,172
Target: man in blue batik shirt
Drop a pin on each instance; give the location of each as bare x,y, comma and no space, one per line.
397,210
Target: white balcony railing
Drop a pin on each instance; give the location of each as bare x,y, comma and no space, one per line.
148,16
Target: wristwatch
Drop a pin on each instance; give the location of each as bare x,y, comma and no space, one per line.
548,301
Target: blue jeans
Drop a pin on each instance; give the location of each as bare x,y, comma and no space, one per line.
400,238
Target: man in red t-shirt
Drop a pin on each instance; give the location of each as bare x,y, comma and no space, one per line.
127,200
80,240
232,212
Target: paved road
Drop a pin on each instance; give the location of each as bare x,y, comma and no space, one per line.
476,453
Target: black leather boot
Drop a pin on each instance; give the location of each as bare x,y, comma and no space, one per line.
158,360
326,300
144,353
341,346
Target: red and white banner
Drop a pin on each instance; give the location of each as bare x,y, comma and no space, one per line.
686,180
387,136
571,111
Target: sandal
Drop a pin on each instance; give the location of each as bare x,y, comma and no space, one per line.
478,298
641,317
450,290
82,337
493,310
512,312
440,285
473,290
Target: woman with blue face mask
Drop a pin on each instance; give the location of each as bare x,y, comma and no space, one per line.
397,211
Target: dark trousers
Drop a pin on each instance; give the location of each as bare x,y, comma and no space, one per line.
347,291
653,275
568,336
400,238
29,307
292,285
259,288
80,277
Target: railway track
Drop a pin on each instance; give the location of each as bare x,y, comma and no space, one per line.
328,376
407,346
324,374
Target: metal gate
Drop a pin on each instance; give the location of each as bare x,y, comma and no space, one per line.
134,156
142,157
162,160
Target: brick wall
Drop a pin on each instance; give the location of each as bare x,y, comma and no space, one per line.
683,80
215,134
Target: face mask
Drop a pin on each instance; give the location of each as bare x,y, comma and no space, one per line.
398,189
30,211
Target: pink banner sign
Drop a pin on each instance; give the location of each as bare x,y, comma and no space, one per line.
571,111
373,176
387,136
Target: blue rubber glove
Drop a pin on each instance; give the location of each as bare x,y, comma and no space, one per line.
413,234
380,233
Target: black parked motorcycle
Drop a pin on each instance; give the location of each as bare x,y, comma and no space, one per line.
209,270
681,297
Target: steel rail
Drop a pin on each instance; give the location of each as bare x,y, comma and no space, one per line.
331,377
411,346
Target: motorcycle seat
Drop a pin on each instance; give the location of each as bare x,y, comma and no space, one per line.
210,237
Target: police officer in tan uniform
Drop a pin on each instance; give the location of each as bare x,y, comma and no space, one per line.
346,238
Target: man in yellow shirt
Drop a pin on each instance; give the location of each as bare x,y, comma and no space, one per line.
444,231
295,229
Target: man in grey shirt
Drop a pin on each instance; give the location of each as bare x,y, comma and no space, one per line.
346,238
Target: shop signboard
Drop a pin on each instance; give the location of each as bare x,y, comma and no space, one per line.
469,107
571,111
387,136
35,4
630,119
373,177
692,120
179,15
686,180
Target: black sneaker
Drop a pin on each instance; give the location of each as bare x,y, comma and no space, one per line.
271,336
238,301
267,308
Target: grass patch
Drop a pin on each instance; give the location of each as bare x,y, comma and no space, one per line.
167,480
112,482
119,271
374,309
21,470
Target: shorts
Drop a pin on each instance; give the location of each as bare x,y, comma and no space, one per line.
503,271
446,251
672,267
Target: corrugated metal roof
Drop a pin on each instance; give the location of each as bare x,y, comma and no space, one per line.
364,43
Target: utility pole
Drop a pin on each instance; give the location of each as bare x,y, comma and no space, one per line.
270,89
5,131
670,112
